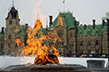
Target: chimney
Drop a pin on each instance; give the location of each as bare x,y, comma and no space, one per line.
81,25
107,21
50,20
2,32
85,26
26,26
93,23
75,24
103,22
46,26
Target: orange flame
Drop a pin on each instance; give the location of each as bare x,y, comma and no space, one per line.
38,46
18,42
60,23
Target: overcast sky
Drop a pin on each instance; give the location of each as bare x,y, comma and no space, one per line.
83,10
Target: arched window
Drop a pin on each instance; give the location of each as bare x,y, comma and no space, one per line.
71,43
80,31
60,33
81,42
71,34
97,42
88,31
97,31
10,22
60,52
88,43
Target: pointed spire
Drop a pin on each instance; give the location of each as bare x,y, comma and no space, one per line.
12,3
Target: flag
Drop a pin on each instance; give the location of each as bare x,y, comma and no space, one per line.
63,1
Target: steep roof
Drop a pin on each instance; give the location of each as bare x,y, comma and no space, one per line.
41,31
13,13
20,30
93,31
67,19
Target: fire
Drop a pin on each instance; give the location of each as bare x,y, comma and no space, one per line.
37,46
44,59
60,23
18,42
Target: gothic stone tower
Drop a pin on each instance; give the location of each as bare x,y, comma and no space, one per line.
12,21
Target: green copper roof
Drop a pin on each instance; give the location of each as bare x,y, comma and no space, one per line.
21,31
84,32
67,19
104,28
40,32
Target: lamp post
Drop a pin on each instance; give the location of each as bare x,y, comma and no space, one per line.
108,39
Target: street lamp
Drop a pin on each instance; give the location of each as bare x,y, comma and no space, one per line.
108,38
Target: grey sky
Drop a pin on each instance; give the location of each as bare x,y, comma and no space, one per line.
83,10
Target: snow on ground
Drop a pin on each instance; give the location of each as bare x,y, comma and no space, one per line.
6,61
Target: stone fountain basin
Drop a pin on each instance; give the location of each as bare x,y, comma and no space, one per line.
46,68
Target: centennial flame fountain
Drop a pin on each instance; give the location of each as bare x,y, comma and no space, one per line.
44,61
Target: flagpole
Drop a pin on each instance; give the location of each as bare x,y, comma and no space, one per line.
64,5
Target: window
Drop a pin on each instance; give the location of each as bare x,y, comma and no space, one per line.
71,43
97,42
62,42
88,31
10,22
88,43
97,31
80,31
9,45
60,52
70,51
2,45
60,33
9,36
97,51
16,45
71,34
81,43
36,34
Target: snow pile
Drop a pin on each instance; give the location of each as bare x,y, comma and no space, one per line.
6,61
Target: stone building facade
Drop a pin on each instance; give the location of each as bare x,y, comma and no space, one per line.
75,38
12,31
78,39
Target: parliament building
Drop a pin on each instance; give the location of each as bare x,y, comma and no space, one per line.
75,37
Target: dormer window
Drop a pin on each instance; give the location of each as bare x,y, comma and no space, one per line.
81,42
97,42
10,22
71,34
60,33
80,31
88,31
71,43
9,37
97,31
88,43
